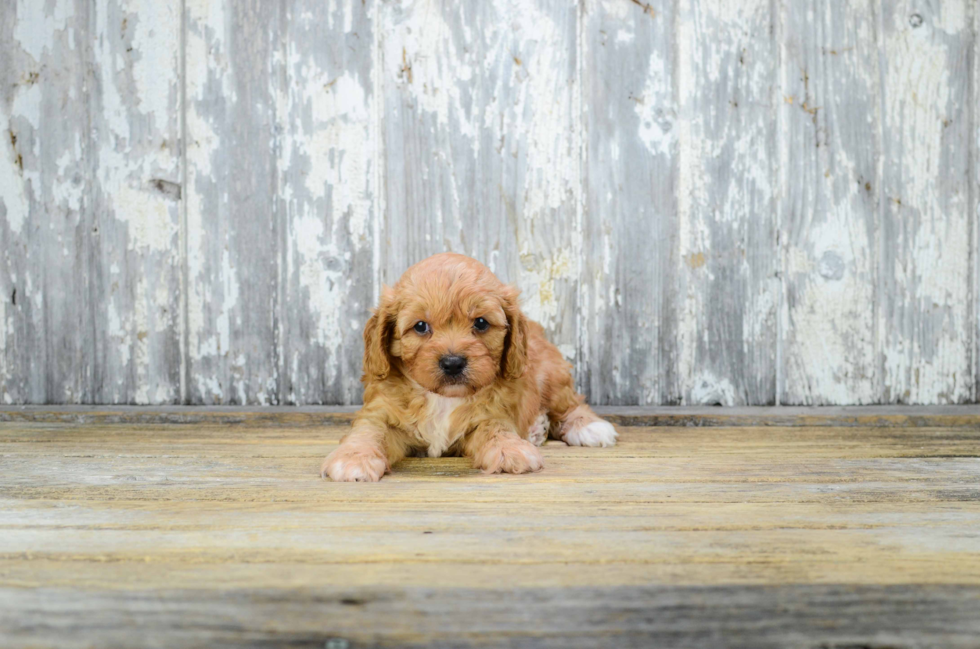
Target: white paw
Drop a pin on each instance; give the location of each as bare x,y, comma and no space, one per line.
354,465
597,433
538,432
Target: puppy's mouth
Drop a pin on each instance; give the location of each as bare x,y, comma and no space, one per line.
455,386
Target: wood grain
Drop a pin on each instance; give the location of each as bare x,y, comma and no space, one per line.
90,190
232,220
480,145
327,162
222,534
290,416
726,335
723,616
138,201
829,213
975,201
629,279
704,203
924,270
49,245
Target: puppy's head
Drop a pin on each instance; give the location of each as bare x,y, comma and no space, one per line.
450,325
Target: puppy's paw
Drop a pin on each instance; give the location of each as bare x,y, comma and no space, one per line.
590,433
509,455
538,432
355,463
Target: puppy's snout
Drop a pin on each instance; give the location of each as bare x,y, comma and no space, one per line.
452,364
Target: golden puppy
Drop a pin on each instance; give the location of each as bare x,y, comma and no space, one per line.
452,367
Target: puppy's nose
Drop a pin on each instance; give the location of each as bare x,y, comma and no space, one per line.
452,365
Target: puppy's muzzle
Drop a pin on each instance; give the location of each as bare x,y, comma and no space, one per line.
452,365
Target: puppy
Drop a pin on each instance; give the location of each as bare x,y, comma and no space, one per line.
452,367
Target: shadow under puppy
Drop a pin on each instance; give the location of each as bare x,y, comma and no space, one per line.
452,367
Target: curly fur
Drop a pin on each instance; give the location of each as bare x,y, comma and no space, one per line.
512,376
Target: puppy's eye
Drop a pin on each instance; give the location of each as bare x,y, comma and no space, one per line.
481,324
421,327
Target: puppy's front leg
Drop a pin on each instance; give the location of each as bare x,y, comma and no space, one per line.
363,455
496,448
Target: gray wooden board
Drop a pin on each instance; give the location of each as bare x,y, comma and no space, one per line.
48,225
726,335
629,292
866,416
828,109
327,171
218,534
480,145
136,133
232,217
90,193
974,203
795,616
924,266
705,202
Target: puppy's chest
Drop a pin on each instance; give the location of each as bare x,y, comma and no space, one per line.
435,428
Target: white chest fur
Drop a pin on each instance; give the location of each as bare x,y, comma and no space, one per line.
434,428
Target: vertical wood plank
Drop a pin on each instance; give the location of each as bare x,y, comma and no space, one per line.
727,231
657,276
136,201
90,193
923,283
829,112
327,198
630,230
975,195
232,221
481,147
47,221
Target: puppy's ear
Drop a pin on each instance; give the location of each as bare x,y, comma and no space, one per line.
514,358
377,338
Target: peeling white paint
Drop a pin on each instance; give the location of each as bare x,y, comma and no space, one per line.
431,69
708,389
27,105
136,61
12,195
552,177
320,274
118,332
39,23
5,326
723,200
207,12
499,101
539,279
327,182
150,222
339,150
653,108
952,17
932,254
229,295
625,37
204,144
156,32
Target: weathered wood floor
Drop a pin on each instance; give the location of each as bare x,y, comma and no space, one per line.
218,532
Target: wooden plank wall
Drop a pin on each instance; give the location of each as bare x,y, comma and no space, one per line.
704,202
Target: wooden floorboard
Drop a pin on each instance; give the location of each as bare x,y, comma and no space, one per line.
957,416
217,531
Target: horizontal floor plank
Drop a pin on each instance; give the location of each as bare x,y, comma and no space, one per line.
220,532
888,416
706,617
